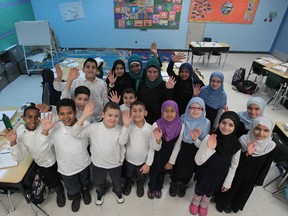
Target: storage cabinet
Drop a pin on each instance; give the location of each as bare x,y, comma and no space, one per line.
3,78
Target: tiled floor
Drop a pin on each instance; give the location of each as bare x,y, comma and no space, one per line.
261,202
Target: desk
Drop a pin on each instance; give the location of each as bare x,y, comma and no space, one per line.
208,47
280,131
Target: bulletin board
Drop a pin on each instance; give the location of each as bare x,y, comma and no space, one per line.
147,14
223,11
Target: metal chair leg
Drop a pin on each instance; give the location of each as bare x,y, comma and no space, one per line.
4,208
10,201
281,174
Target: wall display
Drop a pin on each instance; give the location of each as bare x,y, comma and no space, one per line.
147,14
223,11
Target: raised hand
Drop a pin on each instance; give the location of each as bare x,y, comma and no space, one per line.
195,133
170,83
153,49
196,90
59,72
73,74
168,166
88,110
212,142
224,189
113,96
145,169
157,133
10,135
112,78
42,107
47,122
179,57
251,148
126,118
225,108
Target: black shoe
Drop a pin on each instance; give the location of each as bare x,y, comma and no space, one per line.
86,196
61,199
76,204
181,190
120,199
228,209
219,207
173,189
140,190
127,189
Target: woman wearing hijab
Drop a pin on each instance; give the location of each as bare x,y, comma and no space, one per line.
118,80
196,127
172,131
214,96
255,108
217,160
153,91
135,66
258,152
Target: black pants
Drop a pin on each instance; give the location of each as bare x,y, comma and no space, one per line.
76,182
133,172
100,176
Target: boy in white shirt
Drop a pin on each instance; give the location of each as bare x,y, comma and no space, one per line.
98,87
106,137
28,139
71,153
139,149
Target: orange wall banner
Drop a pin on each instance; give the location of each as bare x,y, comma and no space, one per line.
223,11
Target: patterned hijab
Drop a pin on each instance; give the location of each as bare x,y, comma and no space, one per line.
153,62
228,145
245,118
171,129
139,76
215,98
262,146
191,123
188,66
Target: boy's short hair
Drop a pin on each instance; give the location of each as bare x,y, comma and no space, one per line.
129,91
111,105
90,60
82,90
66,102
136,103
31,107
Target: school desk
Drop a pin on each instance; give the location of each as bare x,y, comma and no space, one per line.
208,47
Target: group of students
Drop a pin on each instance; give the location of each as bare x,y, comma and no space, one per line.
179,127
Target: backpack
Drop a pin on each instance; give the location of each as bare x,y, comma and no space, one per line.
49,95
198,78
246,87
238,76
40,190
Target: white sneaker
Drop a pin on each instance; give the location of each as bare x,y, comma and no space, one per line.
120,199
99,200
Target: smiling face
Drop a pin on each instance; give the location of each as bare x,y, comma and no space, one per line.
67,115
138,113
31,119
119,70
215,83
253,111
128,99
110,117
135,67
261,132
184,74
90,70
196,110
226,126
152,73
169,113
81,100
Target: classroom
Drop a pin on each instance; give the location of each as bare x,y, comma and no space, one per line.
191,30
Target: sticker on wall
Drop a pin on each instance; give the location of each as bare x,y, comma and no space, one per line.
72,11
272,15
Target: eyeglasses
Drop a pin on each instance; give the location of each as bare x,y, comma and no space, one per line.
196,108
215,81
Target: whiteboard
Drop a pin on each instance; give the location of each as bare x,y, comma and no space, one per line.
33,33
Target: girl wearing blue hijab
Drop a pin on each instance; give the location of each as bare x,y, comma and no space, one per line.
196,127
214,96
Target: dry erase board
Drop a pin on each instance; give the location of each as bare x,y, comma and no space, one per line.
33,33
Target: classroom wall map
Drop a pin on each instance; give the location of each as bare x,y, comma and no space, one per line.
223,11
147,14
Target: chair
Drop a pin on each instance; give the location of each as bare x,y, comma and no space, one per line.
257,68
283,97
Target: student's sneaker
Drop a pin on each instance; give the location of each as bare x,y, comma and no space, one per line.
100,200
203,211
76,204
120,199
86,196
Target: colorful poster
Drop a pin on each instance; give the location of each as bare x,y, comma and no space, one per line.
148,14
223,11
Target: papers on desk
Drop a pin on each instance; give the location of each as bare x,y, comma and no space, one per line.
271,60
6,160
262,61
206,44
280,68
70,63
285,64
37,58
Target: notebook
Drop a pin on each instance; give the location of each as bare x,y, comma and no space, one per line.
6,160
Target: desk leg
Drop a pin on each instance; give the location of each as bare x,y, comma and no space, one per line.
4,209
225,58
10,201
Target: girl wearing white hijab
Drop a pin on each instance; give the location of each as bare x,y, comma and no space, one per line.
258,152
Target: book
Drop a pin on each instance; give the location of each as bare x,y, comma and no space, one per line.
6,160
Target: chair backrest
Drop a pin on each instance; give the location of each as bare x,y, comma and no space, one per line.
273,81
207,39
